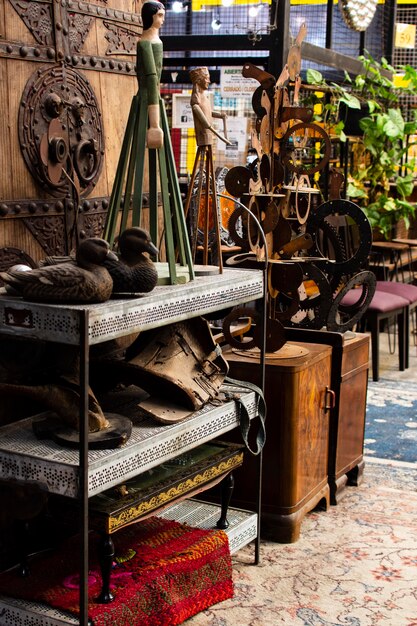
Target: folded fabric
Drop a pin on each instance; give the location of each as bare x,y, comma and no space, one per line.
163,573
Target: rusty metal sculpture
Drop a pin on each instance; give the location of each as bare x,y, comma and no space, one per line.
307,280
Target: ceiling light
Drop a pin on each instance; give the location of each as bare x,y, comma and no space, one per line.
254,10
178,6
227,3
216,24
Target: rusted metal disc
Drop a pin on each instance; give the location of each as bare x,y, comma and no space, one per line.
286,276
343,317
237,180
275,335
300,136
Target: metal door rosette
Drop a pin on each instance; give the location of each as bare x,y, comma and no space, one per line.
60,131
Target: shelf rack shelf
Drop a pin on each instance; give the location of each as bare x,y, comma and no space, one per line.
241,531
115,318
24,457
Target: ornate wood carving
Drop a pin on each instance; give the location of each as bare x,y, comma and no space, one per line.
93,224
121,40
79,27
38,18
66,27
59,122
55,234
49,233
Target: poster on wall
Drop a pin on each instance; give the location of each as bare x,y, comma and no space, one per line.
237,134
182,115
233,84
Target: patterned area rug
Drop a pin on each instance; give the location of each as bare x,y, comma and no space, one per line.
354,565
164,572
391,420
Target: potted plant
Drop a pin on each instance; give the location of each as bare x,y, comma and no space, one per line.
381,176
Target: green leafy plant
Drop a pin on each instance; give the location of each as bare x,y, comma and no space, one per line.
382,176
326,99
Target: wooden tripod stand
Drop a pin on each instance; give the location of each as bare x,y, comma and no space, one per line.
206,195
129,178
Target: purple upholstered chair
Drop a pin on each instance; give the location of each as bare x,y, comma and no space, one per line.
383,306
408,292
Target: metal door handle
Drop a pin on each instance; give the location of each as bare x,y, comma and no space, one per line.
330,399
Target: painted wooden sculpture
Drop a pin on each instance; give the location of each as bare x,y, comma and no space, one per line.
147,130
133,271
205,197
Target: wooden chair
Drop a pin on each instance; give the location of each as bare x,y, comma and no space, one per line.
384,306
409,293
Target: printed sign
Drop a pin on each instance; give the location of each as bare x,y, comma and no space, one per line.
233,84
182,115
405,35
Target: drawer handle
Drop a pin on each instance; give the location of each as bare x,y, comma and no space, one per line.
330,400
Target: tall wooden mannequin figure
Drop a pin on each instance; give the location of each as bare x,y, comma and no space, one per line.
203,165
147,128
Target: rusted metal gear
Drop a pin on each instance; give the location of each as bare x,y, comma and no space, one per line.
343,317
344,262
316,306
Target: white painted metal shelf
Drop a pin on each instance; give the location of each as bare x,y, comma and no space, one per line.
24,457
115,318
241,531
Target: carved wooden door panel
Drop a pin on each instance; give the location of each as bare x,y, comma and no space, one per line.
67,77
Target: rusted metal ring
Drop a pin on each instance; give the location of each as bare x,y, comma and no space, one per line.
316,221
86,148
318,304
287,151
299,189
233,316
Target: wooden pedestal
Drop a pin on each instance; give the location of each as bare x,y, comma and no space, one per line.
295,458
350,365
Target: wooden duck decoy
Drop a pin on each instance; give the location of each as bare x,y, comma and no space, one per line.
132,271
135,272
63,399
85,281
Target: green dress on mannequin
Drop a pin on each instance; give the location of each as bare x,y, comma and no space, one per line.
149,58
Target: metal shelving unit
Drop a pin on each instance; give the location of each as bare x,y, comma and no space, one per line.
83,473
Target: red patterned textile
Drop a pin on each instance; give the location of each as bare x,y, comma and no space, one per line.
164,572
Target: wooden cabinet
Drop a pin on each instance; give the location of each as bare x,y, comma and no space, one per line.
350,365
295,459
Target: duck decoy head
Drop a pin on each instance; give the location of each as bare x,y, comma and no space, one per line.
133,242
93,251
